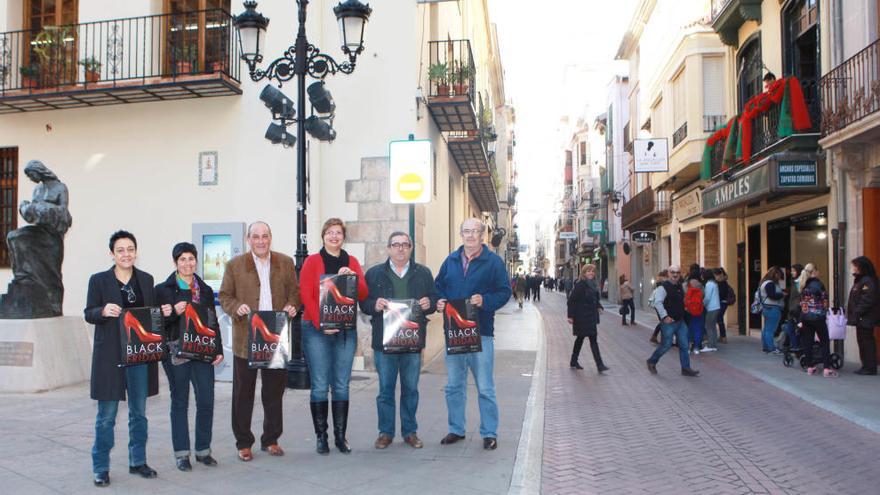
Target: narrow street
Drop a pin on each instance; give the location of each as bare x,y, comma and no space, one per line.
723,432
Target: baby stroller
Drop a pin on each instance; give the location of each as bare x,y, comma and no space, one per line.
790,353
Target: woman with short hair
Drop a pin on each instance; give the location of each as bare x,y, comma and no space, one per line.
181,288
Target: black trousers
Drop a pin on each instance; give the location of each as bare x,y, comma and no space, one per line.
244,384
722,328
630,308
594,346
811,329
536,293
867,348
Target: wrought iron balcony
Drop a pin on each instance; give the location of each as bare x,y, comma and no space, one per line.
680,134
644,211
149,58
452,93
851,91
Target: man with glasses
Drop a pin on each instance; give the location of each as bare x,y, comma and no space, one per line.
669,304
258,280
473,272
399,277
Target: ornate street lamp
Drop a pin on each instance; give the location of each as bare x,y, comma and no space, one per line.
300,60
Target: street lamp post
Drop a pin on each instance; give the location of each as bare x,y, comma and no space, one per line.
300,60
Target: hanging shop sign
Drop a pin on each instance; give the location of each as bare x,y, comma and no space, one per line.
797,174
651,155
568,235
597,227
644,237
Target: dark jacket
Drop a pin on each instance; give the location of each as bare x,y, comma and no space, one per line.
814,301
486,276
108,378
863,306
583,308
168,292
674,300
420,284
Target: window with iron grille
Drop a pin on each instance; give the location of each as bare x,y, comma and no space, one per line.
8,199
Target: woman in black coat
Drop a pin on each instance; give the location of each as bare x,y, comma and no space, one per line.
122,286
583,314
863,312
182,288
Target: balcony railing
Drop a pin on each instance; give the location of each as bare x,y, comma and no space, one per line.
645,211
680,134
136,50
452,71
716,167
711,123
851,91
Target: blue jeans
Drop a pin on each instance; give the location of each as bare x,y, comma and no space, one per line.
667,330
136,383
482,366
329,358
388,366
695,330
772,315
201,375
789,329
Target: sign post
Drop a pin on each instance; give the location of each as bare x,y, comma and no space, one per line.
409,177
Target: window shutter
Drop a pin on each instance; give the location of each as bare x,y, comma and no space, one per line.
713,86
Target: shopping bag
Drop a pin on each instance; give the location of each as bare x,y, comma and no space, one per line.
836,321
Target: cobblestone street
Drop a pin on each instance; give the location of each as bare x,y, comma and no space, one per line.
723,432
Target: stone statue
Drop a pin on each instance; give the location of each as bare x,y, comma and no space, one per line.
37,250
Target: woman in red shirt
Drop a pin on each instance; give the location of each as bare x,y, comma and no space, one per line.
329,352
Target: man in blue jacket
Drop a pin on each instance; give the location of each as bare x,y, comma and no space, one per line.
473,272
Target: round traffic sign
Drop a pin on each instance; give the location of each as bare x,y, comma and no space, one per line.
410,186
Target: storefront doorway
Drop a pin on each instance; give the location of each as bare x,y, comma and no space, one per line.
754,269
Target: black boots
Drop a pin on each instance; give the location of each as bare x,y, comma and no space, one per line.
319,419
340,422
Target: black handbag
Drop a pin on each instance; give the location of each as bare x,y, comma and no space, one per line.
623,310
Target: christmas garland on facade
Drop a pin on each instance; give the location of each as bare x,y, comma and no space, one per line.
736,136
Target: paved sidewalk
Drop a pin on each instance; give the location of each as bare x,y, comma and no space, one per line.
47,439
724,432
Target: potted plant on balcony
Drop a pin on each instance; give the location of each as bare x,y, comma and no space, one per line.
461,79
30,76
439,74
185,58
92,67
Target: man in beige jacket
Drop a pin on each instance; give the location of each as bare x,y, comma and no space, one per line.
258,280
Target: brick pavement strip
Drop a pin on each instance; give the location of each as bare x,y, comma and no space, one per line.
724,432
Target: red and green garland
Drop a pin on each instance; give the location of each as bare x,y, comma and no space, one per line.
736,136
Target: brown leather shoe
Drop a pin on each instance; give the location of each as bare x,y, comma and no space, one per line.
245,455
273,449
383,441
413,441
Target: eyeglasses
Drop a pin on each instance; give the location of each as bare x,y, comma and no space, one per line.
675,273
129,293
469,232
400,245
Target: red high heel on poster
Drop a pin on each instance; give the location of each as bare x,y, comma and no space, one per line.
334,291
133,325
260,325
461,322
192,315
405,323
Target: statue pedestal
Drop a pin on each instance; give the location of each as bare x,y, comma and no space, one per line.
43,354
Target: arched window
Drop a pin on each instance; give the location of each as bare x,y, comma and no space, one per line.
800,41
749,72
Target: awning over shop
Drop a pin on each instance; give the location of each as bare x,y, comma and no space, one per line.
774,182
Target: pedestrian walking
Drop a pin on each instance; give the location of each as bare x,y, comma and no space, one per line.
659,279
626,300
258,280
122,286
473,272
181,288
399,277
693,303
771,296
863,312
812,319
728,298
584,306
712,305
669,304
519,289
329,352
536,288
528,292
